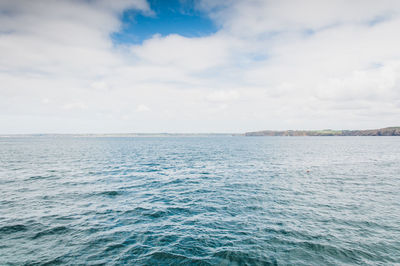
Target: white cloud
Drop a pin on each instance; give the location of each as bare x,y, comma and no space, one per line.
260,17
223,96
75,105
45,100
272,64
186,53
142,108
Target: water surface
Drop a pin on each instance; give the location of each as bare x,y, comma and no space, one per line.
200,200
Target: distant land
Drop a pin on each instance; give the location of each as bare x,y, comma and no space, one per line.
388,131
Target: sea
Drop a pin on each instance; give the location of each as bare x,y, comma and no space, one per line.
219,200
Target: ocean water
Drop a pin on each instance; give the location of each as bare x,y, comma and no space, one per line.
200,201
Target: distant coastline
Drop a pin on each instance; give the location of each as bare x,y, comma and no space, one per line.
388,131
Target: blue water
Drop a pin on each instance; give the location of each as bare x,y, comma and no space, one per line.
200,200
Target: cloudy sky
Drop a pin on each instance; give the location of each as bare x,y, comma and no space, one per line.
98,66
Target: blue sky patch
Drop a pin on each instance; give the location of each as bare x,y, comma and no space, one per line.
171,17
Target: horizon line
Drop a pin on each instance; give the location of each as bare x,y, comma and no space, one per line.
192,133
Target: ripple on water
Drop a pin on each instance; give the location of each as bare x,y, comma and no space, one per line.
58,230
9,229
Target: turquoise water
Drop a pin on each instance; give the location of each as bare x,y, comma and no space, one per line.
200,200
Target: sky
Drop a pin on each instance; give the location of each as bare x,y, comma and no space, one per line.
98,66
